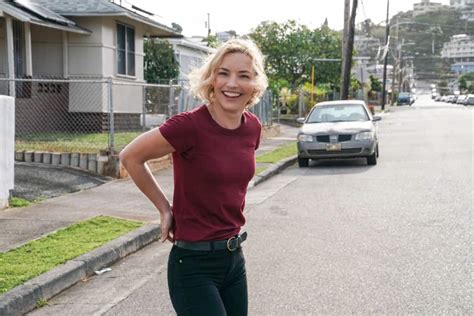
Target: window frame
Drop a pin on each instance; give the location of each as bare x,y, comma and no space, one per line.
126,50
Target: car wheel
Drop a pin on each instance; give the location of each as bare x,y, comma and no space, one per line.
303,162
372,159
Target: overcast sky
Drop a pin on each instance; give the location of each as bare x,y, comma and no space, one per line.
243,15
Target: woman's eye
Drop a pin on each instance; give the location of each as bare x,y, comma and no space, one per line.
245,76
222,73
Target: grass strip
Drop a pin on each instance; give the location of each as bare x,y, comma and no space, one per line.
278,154
72,142
18,202
36,257
260,169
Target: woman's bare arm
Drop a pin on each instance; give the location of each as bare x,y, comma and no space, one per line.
133,157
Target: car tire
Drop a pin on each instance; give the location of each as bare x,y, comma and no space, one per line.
372,159
303,162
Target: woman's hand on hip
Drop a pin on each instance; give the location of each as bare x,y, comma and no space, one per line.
166,226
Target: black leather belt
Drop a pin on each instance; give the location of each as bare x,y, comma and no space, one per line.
231,244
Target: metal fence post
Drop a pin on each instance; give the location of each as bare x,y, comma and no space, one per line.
277,98
171,99
144,109
300,103
111,118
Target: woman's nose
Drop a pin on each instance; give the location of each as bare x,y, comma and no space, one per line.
232,81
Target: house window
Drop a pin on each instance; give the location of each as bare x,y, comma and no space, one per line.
125,50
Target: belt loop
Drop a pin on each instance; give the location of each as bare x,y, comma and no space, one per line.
212,246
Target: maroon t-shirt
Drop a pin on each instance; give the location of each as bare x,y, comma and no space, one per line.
212,168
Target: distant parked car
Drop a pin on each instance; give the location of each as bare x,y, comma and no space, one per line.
469,100
461,98
338,129
405,98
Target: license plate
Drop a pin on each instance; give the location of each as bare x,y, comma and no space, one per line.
333,147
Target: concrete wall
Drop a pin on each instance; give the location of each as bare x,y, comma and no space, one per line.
95,56
7,148
85,51
46,51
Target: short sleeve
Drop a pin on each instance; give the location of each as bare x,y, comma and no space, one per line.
259,134
180,132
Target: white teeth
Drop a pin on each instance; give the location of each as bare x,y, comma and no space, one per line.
231,94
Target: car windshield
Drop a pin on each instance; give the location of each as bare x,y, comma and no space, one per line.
404,94
338,113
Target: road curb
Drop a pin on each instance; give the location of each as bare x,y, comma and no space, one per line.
24,298
272,170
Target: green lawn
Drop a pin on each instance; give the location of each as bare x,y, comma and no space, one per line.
36,257
278,154
72,142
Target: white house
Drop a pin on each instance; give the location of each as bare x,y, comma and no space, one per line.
189,54
75,39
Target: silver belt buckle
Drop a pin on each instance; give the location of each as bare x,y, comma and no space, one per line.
229,244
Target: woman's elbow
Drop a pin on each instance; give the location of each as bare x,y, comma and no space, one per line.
124,157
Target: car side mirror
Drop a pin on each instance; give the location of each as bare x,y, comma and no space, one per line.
300,120
376,118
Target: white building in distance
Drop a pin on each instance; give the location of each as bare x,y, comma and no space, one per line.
425,6
460,52
461,4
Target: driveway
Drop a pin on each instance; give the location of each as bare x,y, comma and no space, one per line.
40,181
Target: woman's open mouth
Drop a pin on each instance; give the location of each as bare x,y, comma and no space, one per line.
231,94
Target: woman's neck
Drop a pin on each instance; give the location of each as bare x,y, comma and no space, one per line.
228,120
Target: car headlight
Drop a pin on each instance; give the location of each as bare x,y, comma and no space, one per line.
364,136
305,138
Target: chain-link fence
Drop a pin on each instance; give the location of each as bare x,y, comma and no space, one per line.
94,115
297,104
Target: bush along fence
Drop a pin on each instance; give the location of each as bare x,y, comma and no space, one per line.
85,123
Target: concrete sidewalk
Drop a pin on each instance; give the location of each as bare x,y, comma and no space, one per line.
118,198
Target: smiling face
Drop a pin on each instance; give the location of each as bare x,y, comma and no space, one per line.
234,83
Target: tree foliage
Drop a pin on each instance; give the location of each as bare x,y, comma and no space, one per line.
160,61
291,49
211,41
375,84
178,28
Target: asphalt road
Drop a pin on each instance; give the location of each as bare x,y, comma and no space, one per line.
340,237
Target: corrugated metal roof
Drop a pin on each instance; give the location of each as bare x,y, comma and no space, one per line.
25,16
103,8
73,7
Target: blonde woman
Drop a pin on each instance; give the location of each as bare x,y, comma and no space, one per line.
213,148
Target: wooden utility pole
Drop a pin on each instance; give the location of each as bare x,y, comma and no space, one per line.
396,63
347,60
384,82
345,32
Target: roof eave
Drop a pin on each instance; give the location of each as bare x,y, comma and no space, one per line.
163,31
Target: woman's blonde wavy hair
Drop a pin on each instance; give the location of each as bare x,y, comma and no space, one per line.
201,79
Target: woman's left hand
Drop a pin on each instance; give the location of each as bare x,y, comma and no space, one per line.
166,226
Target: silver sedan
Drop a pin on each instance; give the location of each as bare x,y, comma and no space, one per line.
338,129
